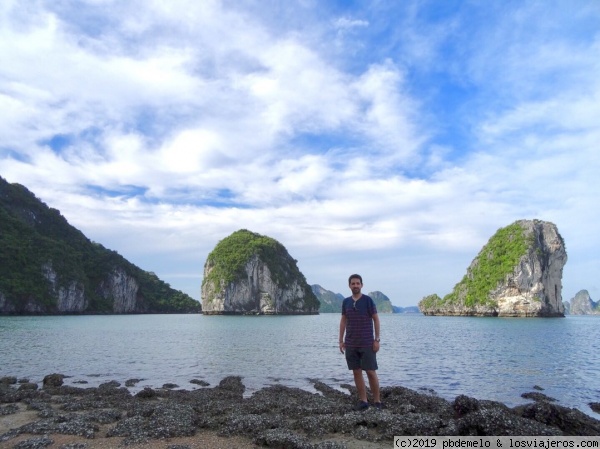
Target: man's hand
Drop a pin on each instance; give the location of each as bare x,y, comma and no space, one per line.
342,347
375,346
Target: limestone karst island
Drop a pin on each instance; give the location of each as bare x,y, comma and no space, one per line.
251,274
518,273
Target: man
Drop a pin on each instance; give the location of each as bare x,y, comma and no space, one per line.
359,317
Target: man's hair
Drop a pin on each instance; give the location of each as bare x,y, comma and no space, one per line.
355,276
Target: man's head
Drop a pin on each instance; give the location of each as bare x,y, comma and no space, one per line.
355,284
355,276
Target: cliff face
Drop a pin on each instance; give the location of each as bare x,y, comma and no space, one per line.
518,273
49,267
582,304
248,273
118,289
70,298
122,290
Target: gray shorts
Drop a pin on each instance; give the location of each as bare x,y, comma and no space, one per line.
361,358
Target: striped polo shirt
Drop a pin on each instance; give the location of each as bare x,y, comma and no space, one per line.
359,322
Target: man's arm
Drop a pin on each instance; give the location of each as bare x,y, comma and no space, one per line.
342,331
377,328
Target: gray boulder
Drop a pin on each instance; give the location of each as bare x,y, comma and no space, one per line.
53,380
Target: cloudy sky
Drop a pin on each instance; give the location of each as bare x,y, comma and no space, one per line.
389,138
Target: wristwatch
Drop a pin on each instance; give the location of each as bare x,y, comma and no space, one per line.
378,340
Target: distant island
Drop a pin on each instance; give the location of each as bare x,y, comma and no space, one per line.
332,302
582,304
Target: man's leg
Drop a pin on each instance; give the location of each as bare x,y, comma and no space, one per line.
373,384
359,381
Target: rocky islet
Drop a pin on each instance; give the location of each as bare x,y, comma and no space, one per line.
248,273
518,273
582,304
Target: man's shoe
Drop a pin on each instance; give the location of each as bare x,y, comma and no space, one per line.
361,406
379,406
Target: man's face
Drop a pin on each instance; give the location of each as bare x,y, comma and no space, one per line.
355,285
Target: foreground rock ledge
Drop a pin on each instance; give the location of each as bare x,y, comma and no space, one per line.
275,416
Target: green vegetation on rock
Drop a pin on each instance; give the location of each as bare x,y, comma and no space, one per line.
35,237
230,256
494,262
430,302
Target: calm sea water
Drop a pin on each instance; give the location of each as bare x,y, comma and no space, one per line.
486,358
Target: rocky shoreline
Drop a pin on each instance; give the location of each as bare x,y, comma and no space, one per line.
275,416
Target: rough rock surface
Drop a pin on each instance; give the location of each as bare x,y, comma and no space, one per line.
255,289
275,416
123,290
532,288
68,299
582,304
118,287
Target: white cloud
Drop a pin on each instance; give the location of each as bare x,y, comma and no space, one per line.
344,23
388,116
297,91
185,121
191,152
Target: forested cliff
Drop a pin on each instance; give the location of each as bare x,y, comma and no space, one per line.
48,266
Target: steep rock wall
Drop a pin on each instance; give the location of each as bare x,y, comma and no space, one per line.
119,288
123,290
70,298
535,286
256,293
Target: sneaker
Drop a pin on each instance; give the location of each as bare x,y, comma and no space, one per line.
361,406
379,406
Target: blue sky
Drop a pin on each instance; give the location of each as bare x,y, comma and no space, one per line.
386,138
